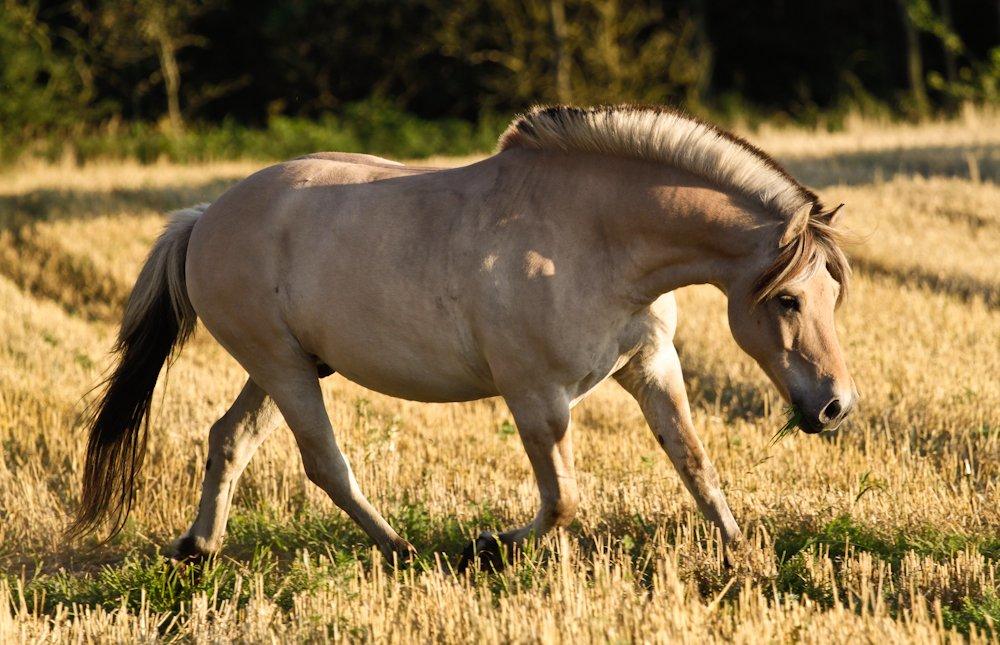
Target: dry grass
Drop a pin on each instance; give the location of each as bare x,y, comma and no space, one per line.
887,531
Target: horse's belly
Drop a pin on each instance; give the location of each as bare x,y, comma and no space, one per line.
408,372
429,388
402,348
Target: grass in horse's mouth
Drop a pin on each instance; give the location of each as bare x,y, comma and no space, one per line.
792,424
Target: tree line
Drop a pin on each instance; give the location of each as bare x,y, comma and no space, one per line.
69,65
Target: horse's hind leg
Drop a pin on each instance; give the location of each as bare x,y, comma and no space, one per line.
298,395
232,442
543,422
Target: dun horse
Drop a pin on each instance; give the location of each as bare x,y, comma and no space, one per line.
534,275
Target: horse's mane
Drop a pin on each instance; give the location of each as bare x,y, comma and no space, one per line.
664,135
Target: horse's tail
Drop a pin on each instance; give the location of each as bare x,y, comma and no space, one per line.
158,319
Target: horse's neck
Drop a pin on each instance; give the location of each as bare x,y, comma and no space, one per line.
669,229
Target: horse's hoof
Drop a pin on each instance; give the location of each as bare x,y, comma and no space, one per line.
488,551
402,555
189,549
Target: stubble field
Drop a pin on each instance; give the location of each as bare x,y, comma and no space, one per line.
888,530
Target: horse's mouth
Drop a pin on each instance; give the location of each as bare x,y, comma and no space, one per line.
809,428
815,427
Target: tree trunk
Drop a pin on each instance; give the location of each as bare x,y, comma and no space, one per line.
950,65
914,61
703,53
171,80
563,92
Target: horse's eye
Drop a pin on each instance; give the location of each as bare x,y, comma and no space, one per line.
789,303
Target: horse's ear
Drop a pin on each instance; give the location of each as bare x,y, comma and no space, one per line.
833,217
796,224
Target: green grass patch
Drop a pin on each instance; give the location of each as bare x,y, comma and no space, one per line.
166,586
843,530
984,613
334,533
843,536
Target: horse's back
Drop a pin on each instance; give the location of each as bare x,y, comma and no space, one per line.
352,158
349,255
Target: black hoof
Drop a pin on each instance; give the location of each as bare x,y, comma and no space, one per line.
488,552
736,554
188,550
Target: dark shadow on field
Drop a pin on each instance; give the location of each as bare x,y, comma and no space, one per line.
707,390
44,269
53,204
856,168
965,288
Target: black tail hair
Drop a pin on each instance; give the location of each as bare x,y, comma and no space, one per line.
158,319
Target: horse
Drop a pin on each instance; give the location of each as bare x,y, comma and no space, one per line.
534,275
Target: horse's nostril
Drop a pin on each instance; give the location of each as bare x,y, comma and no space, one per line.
831,411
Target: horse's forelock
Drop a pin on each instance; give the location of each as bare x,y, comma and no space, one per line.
817,245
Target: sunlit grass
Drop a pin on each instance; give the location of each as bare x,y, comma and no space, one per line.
884,531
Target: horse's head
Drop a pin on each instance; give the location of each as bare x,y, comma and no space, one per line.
784,319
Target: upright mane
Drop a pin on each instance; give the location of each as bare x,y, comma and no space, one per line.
663,135
666,136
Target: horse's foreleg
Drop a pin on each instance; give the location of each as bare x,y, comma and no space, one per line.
232,442
300,399
543,424
654,378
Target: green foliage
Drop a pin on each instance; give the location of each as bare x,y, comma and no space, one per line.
978,82
321,550
340,539
165,585
372,127
926,19
282,555
39,89
984,613
209,79
598,51
795,578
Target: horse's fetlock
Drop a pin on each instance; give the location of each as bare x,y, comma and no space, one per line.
561,511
